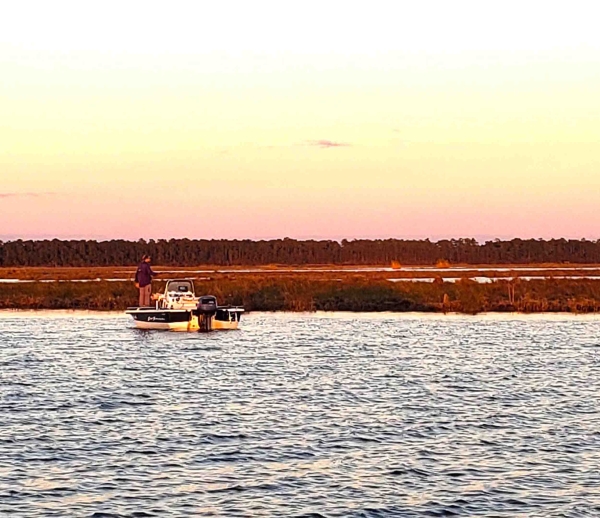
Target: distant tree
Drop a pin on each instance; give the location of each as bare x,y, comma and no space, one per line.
187,252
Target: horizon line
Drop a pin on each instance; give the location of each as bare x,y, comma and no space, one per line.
480,239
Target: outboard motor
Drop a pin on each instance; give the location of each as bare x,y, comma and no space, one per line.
206,310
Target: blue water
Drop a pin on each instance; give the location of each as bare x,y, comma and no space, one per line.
301,415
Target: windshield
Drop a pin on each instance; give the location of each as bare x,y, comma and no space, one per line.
180,287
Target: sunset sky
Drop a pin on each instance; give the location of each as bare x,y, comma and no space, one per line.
311,119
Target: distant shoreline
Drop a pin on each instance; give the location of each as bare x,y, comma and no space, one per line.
500,289
287,251
8,313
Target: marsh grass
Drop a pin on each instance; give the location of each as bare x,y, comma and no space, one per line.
265,292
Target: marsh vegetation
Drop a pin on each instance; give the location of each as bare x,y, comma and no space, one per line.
310,290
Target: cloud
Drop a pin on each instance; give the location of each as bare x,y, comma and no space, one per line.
327,143
24,194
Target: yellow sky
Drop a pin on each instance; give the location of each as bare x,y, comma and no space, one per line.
301,119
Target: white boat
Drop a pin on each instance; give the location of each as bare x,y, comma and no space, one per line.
178,309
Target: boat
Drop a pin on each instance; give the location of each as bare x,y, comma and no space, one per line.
179,309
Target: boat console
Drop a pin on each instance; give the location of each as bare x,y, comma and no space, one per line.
177,295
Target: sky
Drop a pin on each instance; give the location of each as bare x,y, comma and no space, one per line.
304,119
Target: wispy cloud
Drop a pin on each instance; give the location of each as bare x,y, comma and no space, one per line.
327,143
24,194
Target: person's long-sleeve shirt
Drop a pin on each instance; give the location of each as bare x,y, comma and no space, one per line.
144,274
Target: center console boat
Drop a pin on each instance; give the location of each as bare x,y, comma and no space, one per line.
178,309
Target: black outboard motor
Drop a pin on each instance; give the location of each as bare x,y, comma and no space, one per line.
206,310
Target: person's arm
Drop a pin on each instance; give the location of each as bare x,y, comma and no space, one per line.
152,272
136,280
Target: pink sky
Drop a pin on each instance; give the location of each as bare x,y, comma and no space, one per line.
398,120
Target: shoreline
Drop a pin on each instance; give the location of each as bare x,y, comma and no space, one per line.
353,291
509,315
350,295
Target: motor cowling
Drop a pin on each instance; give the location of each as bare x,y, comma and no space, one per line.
206,310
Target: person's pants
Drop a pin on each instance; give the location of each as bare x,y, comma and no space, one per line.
145,293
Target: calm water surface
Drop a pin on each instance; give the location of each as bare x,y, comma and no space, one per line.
301,415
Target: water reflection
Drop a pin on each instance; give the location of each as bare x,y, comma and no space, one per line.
337,414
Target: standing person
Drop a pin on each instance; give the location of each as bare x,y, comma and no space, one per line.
143,281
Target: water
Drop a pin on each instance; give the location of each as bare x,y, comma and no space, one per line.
301,415
489,280
19,281
478,279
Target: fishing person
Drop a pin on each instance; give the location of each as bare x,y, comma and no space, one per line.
143,280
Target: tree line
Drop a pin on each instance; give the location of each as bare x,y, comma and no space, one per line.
188,252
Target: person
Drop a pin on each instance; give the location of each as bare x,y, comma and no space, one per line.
143,281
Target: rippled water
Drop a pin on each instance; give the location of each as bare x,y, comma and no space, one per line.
301,415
